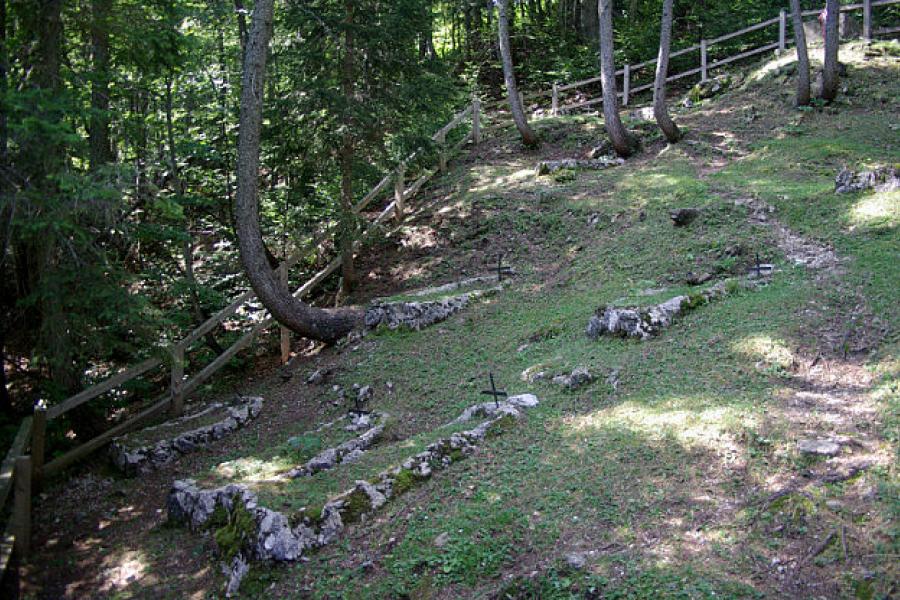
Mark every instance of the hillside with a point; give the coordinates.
(676, 472)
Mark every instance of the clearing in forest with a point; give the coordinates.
(748, 449)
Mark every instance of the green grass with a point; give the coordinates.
(665, 475)
(604, 467)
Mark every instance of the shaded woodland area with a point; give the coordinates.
(570, 298)
(119, 138)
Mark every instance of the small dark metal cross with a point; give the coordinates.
(359, 407)
(501, 269)
(497, 394)
(758, 266)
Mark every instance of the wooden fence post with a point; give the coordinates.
(22, 506)
(38, 443)
(626, 84)
(867, 21)
(703, 70)
(176, 384)
(285, 332)
(554, 107)
(782, 30)
(476, 120)
(400, 192)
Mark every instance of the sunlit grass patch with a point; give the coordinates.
(876, 210)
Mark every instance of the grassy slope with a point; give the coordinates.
(665, 477)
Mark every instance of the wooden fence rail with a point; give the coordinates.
(24, 467)
(705, 65)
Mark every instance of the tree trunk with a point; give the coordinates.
(325, 325)
(830, 70)
(49, 163)
(668, 126)
(589, 24)
(624, 143)
(802, 54)
(242, 25)
(4, 81)
(426, 39)
(347, 229)
(100, 149)
(515, 105)
(6, 407)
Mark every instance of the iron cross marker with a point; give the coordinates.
(497, 394)
(360, 403)
(501, 269)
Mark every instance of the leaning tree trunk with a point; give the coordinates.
(802, 54)
(624, 143)
(668, 126)
(830, 70)
(319, 324)
(515, 104)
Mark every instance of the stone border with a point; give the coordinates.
(270, 535)
(441, 289)
(416, 315)
(345, 452)
(646, 322)
(145, 459)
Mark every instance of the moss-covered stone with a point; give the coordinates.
(218, 519)
(501, 425)
(236, 533)
(309, 515)
(355, 506)
(404, 481)
(695, 300)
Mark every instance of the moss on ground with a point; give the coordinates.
(659, 474)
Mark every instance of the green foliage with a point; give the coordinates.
(304, 447)
(404, 481)
(233, 530)
(355, 506)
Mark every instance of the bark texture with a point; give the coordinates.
(324, 325)
(624, 143)
(830, 79)
(515, 105)
(347, 229)
(668, 126)
(101, 150)
(802, 54)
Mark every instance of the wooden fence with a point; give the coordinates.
(704, 66)
(24, 467)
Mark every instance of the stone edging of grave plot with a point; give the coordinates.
(144, 459)
(646, 322)
(442, 289)
(245, 531)
(348, 451)
(416, 315)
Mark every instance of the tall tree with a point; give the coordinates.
(7, 210)
(802, 54)
(529, 138)
(624, 143)
(830, 79)
(314, 323)
(347, 232)
(101, 150)
(668, 126)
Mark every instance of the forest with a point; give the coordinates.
(159, 159)
(119, 143)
